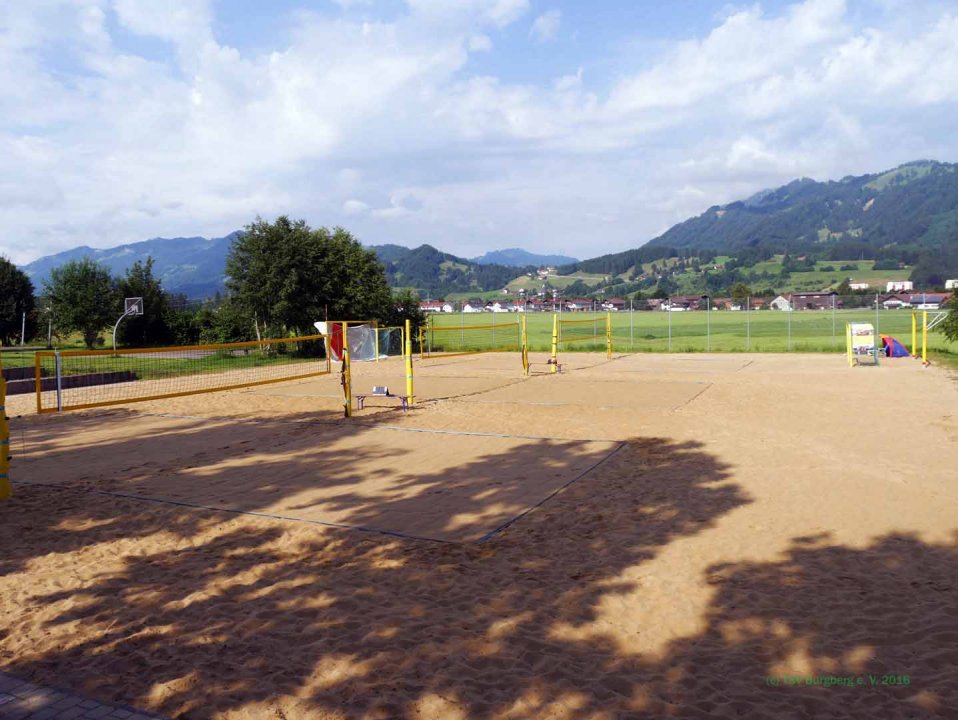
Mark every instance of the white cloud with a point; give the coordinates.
(386, 127)
(480, 43)
(546, 26)
(355, 207)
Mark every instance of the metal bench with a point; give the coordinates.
(383, 391)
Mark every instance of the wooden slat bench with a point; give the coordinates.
(383, 391)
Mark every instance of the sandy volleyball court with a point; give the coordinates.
(693, 536)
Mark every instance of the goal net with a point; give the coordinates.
(367, 342)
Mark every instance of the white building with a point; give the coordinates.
(781, 303)
(900, 286)
(951, 284)
(859, 286)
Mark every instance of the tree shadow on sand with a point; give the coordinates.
(214, 615)
(240, 612)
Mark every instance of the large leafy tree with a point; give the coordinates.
(83, 298)
(405, 306)
(150, 328)
(949, 326)
(287, 276)
(16, 298)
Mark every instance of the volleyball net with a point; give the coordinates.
(80, 379)
(452, 340)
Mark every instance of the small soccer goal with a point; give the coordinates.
(367, 341)
(861, 347)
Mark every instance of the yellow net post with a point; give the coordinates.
(924, 336)
(848, 344)
(407, 354)
(525, 347)
(608, 335)
(345, 378)
(5, 488)
(554, 363)
(914, 334)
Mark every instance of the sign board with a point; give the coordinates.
(133, 306)
(861, 343)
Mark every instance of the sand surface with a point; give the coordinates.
(653, 536)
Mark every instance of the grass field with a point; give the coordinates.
(719, 331)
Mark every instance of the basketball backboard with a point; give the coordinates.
(133, 306)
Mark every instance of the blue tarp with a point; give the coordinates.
(893, 348)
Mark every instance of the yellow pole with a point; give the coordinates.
(554, 367)
(345, 377)
(914, 334)
(408, 353)
(924, 336)
(5, 489)
(608, 335)
(525, 347)
(848, 344)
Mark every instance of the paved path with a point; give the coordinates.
(21, 700)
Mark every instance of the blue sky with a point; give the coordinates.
(571, 127)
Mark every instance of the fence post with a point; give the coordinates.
(494, 328)
(669, 310)
(877, 317)
(791, 309)
(58, 369)
(748, 322)
(833, 321)
(608, 336)
(631, 328)
(708, 324)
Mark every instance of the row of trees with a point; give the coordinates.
(281, 277)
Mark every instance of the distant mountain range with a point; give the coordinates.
(517, 257)
(194, 266)
(907, 215)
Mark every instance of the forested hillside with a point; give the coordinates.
(433, 272)
(906, 216)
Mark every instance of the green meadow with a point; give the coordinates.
(716, 331)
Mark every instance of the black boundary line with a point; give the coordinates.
(491, 534)
(694, 397)
(254, 513)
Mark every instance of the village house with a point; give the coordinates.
(682, 303)
(434, 306)
(614, 304)
(899, 286)
(807, 301)
(578, 305)
(916, 301)
(928, 301)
